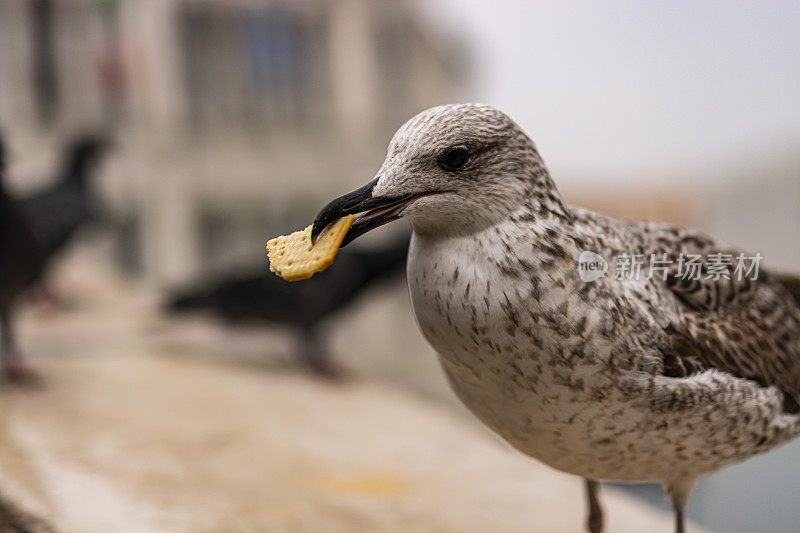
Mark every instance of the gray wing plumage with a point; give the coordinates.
(747, 328)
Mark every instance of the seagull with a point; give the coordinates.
(641, 378)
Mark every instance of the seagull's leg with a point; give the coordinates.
(594, 523)
(315, 354)
(680, 522)
(678, 492)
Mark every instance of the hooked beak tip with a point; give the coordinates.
(314, 235)
(328, 214)
(344, 205)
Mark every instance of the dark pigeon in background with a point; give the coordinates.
(20, 258)
(57, 212)
(263, 297)
(33, 231)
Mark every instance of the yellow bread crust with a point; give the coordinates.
(293, 258)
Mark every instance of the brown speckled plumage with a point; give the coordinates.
(633, 380)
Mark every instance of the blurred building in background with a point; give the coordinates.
(235, 118)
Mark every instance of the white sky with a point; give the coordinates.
(678, 89)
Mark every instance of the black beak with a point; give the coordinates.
(372, 212)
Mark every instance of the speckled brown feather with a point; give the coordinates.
(748, 328)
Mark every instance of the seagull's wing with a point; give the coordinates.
(790, 282)
(749, 328)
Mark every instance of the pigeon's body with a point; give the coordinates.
(20, 260)
(264, 298)
(19, 254)
(57, 212)
(663, 377)
(32, 232)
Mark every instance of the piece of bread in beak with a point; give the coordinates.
(293, 257)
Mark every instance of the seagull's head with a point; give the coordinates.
(453, 169)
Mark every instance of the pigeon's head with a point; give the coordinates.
(453, 169)
(84, 154)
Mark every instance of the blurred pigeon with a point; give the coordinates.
(20, 258)
(32, 231)
(263, 297)
(57, 212)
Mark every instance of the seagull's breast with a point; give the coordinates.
(485, 302)
(456, 295)
(511, 337)
(485, 320)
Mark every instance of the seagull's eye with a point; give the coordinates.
(454, 158)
